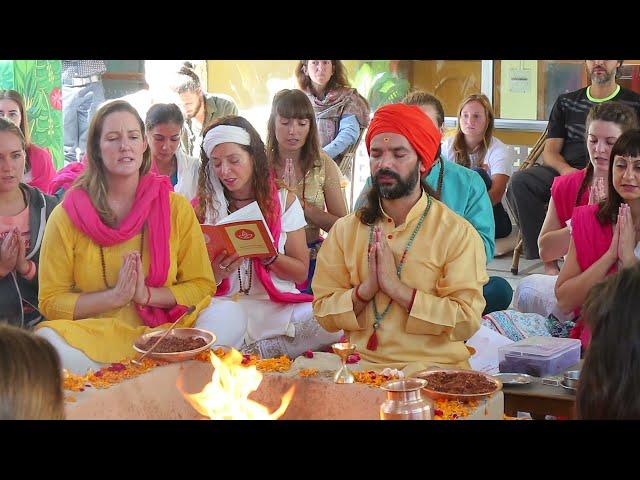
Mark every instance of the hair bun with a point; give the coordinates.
(188, 65)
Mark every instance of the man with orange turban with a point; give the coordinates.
(403, 275)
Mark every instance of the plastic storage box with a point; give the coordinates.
(539, 356)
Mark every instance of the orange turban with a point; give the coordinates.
(410, 122)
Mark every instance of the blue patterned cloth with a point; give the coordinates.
(518, 326)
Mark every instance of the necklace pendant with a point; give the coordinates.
(372, 344)
(235, 297)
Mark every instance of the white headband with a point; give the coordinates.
(224, 134)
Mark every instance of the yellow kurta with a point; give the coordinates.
(70, 265)
(446, 264)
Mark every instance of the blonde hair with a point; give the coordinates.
(461, 155)
(93, 179)
(30, 377)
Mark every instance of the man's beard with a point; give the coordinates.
(402, 187)
(196, 110)
(601, 79)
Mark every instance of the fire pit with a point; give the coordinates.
(154, 395)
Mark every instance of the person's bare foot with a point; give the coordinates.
(551, 268)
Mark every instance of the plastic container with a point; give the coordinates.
(539, 356)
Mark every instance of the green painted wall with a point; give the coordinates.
(40, 83)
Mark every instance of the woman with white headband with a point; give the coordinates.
(257, 307)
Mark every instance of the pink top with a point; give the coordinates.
(564, 192)
(591, 241)
(21, 221)
(42, 171)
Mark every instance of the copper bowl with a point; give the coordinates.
(208, 337)
(463, 397)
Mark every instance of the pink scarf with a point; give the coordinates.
(274, 222)
(564, 192)
(65, 177)
(591, 241)
(151, 206)
(42, 171)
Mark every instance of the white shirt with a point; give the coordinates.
(498, 158)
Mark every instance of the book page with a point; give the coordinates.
(248, 212)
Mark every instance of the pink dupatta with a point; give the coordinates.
(591, 241)
(564, 192)
(151, 206)
(274, 222)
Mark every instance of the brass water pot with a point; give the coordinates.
(404, 400)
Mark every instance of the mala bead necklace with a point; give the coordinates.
(242, 289)
(372, 344)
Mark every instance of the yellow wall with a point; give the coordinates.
(514, 137)
(253, 82)
(449, 80)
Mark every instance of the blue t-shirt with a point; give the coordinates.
(174, 178)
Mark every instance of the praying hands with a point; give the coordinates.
(383, 273)
(626, 237)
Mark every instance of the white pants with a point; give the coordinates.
(74, 360)
(536, 294)
(228, 321)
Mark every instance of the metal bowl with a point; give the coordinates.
(436, 395)
(571, 378)
(208, 337)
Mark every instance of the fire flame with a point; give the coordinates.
(226, 396)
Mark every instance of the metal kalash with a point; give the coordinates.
(405, 401)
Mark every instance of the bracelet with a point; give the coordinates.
(358, 295)
(413, 299)
(269, 261)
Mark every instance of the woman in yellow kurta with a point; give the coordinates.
(122, 254)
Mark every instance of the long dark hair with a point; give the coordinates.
(627, 145)
(615, 112)
(261, 170)
(608, 388)
(294, 104)
(338, 78)
(162, 113)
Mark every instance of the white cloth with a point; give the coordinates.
(498, 158)
(224, 134)
(255, 313)
(71, 358)
(188, 174)
(536, 294)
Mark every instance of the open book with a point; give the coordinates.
(244, 231)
